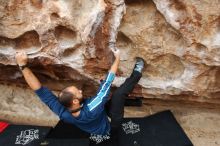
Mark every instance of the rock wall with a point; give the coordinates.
(67, 43)
(180, 42)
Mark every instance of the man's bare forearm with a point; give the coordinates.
(31, 79)
(115, 65)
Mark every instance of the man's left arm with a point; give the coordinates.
(101, 97)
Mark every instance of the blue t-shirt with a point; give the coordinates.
(93, 118)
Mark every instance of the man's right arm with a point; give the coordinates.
(44, 93)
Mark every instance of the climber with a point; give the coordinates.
(91, 115)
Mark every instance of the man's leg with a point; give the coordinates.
(118, 97)
(120, 94)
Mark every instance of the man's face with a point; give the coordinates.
(75, 91)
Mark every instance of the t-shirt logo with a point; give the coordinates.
(27, 136)
(130, 127)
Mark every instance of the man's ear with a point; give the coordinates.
(75, 101)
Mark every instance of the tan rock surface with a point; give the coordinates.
(178, 64)
(178, 39)
(67, 43)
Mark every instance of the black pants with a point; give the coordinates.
(115, 106)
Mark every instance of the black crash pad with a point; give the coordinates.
(65, 142)
(160, 129)
(65, 134)
(26, 135)
(23, 135)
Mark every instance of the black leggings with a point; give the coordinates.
(116, 104)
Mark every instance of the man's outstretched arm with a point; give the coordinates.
(30, 78)
(44, 93)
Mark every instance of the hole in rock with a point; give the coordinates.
(70, 51)
(123, 38)
(165, 67)
(54, 16)
(37, 3)
(6, 45)
(65, 36)
(29, 42)
(178, 5)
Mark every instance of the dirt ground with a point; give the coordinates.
(200, 122)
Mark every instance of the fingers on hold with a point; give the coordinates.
(112, 49)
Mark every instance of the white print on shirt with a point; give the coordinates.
(27, 136)
(98, 138)
(130, 127)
